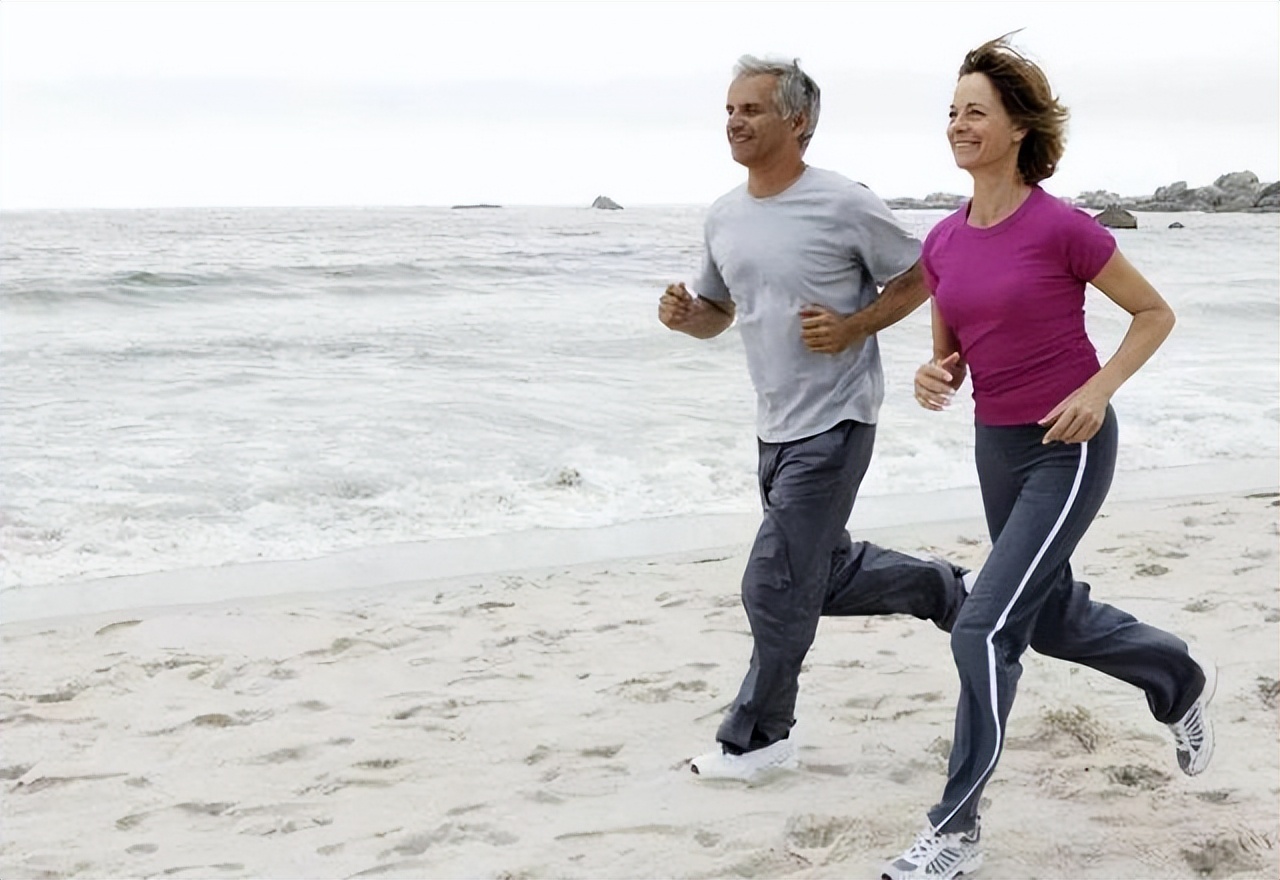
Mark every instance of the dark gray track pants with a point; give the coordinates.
(1039, 502)
(803, 565)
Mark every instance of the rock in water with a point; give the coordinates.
(1116, 217)
(605, 203)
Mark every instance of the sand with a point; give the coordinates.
(539, 723)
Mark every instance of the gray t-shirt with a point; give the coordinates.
(824, 240)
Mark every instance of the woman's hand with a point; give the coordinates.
(1077, 418)
(937, 381)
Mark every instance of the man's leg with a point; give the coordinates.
(808, 487)
(868, 580)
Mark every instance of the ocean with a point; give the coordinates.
(190, 388)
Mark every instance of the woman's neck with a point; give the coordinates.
(995, 198)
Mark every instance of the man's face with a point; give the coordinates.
(757, 132)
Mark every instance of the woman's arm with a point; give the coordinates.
(1079, 417)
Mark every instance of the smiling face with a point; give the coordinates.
(758, 135)
(982, 135)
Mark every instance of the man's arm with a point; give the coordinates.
(699, 317)
(827, 332)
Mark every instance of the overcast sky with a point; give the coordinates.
(114, 104)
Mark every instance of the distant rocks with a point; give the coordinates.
(605, 203)
(469, 207)
(934, 201)
(1097, 199)
(1239, 191)
(1116, 217)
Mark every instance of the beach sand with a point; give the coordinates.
(539, 724)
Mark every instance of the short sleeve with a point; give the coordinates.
(710, 283)
(883, 246)
(1089, 244)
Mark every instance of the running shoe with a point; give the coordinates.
(1193, 734)
(936, 856)
(749, 766)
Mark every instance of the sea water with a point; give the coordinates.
(185, 388)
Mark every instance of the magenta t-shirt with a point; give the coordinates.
(1013, 294)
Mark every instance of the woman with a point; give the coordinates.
(1008, 273)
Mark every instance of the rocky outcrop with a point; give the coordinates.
(1116, 217)
(945, 201)
(1098, 198)
(1237, 191)
(1269, 198)
(606, 204)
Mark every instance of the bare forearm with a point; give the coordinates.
(900, 297)
(706, 319)
(945, 342)
(1147, 332)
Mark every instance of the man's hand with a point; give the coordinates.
(698, 317)
(825, 331)
(675, 308)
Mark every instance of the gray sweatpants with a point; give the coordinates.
(1039, 501)
(803, 565)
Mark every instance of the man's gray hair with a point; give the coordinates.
(796, 92)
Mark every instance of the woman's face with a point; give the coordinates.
(981, 134)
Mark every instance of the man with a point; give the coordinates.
(796, 256)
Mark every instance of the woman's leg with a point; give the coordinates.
(1039, 500)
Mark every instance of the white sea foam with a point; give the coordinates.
(193, 388)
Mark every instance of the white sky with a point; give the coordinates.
(116, 104)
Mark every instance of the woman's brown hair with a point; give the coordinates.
(1027, 98)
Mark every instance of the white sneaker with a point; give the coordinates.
(936, 856)
(1193, 734)
(749, 766)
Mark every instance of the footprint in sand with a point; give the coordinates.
(118, 625)
(810, 831)
(655, 690)
(1268, 691)
(204, 870)
(191, 808)
(1137, 776)
(1240, 852)
(451, 834)
(283, 756)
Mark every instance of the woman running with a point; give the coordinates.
(1008, 273)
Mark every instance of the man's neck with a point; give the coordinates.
(765, 181)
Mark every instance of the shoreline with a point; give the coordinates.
(381, 566)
